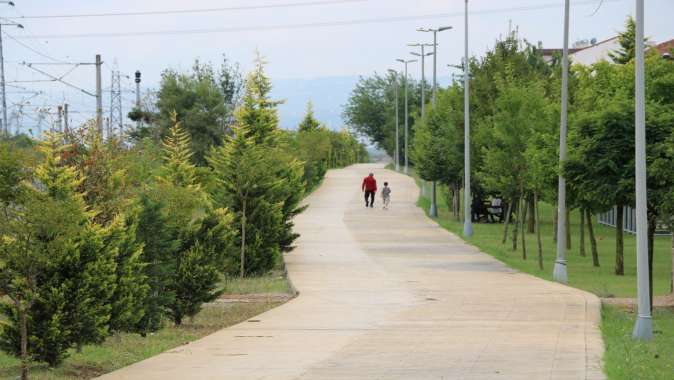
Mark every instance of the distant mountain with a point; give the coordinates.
(328, 95)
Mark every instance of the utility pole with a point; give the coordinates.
(59, 118)
(99, 96)
(396, 155)
(643, 328)
(5, 123)
(137, 80)
(560, 272)
(467, 214)
(65, 118)
(434, 203)
(406, 115)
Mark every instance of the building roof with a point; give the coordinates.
(665, 47)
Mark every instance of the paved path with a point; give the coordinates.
(389, 295)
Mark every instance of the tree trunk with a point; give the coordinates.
(517, 222)
(532, 215)
(555, 218)
(593, 240)
(243, 238)
(568, 228)
(23, 327)
(538, 232)
(582, 231)
(507, 221)
(525, 209)
(652, 225)
(457, 201)
(619, 244)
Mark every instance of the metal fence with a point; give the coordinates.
(629, 221)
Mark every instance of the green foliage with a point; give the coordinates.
(56, 268)
(309, 123)
(370, 110)
(248, 186)
(437, 149)
(258, 114)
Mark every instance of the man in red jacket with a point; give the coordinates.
(370, 188)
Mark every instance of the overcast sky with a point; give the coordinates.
(307, 41)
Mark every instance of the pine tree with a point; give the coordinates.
(195, 271)
(56, 269)
(258, 112)
(248, 181)
(131, 288)
(626, 39)
(160, 246)
(309, 123)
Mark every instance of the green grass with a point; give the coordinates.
(275, 282)
(116, 353)
(627, 359)
(601, 281)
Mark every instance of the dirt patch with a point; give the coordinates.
(253, 298)
(659, 302)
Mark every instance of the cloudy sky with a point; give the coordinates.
(301, 39)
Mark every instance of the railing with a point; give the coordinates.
(629, 221)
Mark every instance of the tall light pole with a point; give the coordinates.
(423, 56)
(406, 114)
(560, 274)
(467, 214)
(5, 124)
(434, 203)
(643, 328)
(396, 155)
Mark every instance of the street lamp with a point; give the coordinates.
(5, 124)
(434, 205)
(467, 214)
(406, 114)
(560, 273)
(396, 155)
(643, 328)
(423, 55)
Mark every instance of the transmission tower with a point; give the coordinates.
(115, 121)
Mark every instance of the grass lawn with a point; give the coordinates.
(113, 354)
(624, 358)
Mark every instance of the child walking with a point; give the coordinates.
(386, 195)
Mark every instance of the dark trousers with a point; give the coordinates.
(369, 194)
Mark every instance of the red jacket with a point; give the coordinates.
(369, 184)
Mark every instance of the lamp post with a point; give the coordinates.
(434, 204)
(560, 273)
(467, 214)
(396, 155)
(423, 56)
(643, 328)
(5, 124)
(406, 62)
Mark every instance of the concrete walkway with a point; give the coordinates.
(389, 295)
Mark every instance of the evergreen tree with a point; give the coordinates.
(195, 272)
(248, 183)
(309, 123)
(258, 112)
(56, 269)
(626, 39)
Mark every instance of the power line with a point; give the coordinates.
(202, 10)
(307, 25)
(43, 55)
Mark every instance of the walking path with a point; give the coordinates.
(390, 295)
